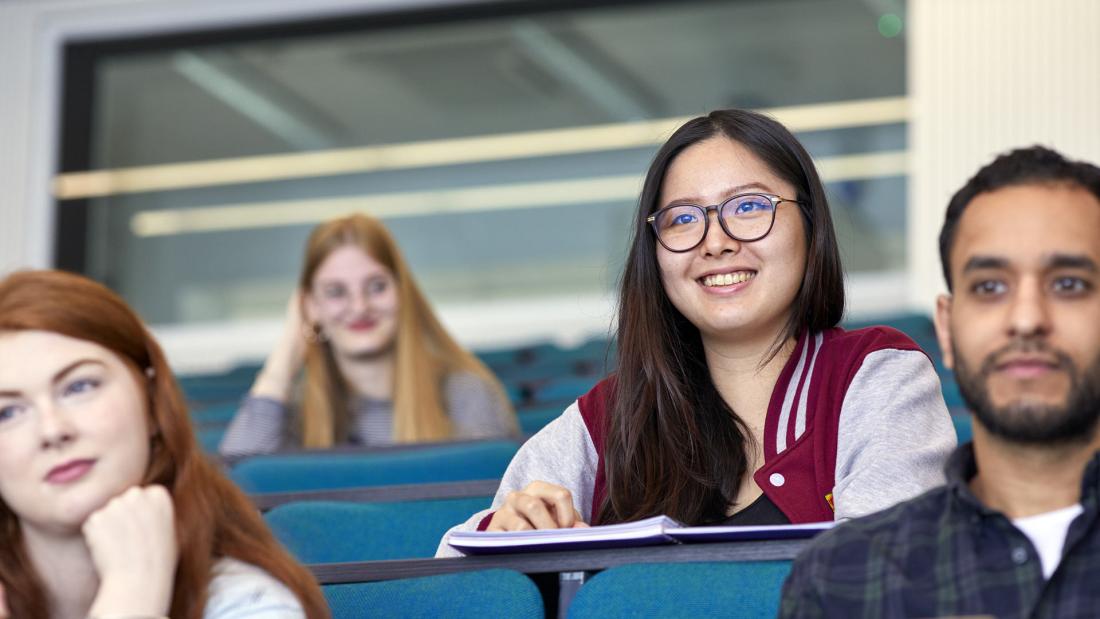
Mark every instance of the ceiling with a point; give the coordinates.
(470, 78)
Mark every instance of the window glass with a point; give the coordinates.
(502, 150)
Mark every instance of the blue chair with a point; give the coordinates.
(488, 593)
(319, 471)
(951, 394)
(564, 388)
(533, 420)
(963, 429)
(919, 327)
(747, 589)
(338, 532)
(220, 387)
(210, 438)
(504, 360)
(216, 414)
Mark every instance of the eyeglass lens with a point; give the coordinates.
(747, 217)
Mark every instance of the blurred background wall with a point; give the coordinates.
(986, 76)
(181, 151)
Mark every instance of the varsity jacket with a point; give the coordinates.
(855, 424)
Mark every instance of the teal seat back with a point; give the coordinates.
(534, 419)
(210, 438)
(919, 327)
(963, 430)
(319, 471)
(476, 595)
(747, 589)
(214, 414)
(337, 532)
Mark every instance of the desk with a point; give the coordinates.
(565, 567)
(402, 492)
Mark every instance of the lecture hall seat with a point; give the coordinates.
(734, 590)
(472, 595)
(340, 532)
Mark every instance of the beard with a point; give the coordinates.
(1029, 423)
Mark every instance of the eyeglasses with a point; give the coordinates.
(745, 217)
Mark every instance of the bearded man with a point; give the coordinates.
(1016, 530)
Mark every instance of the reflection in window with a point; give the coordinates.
(504, 152)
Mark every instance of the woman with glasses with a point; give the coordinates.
(737, 400)
(379, 367)
(108, 508)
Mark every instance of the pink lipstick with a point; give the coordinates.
(69, 472)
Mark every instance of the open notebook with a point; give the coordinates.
(648, 532)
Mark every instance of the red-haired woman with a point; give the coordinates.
(107, 506)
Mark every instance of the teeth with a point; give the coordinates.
(728, 279)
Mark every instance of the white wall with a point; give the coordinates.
(986, 76)
(24, 131)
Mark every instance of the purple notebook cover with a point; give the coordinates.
(742, 534)
(588, 544)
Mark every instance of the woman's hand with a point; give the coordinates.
(538, 506)
(132, 540)
(275, 379)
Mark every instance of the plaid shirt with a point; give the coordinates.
(944, 553)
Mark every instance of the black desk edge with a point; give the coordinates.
(570, 561)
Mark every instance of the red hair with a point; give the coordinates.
(214, 518)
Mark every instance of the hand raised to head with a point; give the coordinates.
(132, 540)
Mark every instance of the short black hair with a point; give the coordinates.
(1036, 165)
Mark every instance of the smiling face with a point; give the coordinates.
(1022, 330)
(74, 431)
(726, 288)
(354, 300)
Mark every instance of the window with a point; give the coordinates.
(503, 145)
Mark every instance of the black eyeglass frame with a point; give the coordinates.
(776, 200)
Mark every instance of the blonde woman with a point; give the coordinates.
(379, 366)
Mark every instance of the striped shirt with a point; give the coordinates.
(945, 554)
(263, 425)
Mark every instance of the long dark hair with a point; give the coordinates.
(673, 445)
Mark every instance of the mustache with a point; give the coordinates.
(1027, 346)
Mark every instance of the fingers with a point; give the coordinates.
(140, 519)
(533, 509)
(561, 500)
(132, 541)
(540, 505)
(579, 523)
(4, 612)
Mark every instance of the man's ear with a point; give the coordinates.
(942, 320)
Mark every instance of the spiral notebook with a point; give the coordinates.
(649, 532)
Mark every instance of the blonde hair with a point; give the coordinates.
(425, 352)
